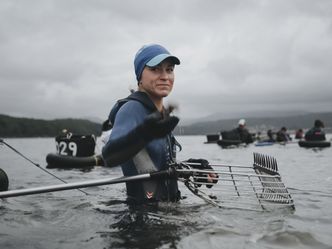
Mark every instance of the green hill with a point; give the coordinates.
(262, 124)
(27, 127)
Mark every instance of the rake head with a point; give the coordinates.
(257, 187)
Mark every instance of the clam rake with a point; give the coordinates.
(257, 187)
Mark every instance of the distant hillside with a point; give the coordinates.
(255, 124)
(27, 127)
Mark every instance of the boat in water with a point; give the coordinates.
(73, 151)
(69, 144)
(264, 143)
(212, 138)
(314, 144)
(228, 143)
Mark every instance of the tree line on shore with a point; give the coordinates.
(28, 127)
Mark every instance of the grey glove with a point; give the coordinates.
(203, 164)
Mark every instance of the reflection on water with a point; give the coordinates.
(102, 219)
(146, 226)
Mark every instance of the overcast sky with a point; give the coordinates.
(67, 58)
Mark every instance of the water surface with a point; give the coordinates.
(70, 219)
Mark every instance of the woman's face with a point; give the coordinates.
(158, 81)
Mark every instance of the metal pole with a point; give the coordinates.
(36, 164)
(68, 186)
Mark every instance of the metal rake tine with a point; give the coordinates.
(273, 166)
(268, 162)
(265, 162)
(271, 162)
(258, 159)
(276, 165)
(261, 160)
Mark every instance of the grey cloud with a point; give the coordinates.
(75, 58)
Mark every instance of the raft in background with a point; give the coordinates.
(227, 143)
(212, 138)
(314, 144)
(4, 182)
(68, 144)
(74, 151)
(264, 143)
(229, 139)
(68, 162)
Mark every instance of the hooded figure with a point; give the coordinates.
(316, 133)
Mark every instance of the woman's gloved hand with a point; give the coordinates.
(203, 164)
(156, 125)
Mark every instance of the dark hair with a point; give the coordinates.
(319, 123)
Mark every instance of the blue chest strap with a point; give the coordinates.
(141, 97)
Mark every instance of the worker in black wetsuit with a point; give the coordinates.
(242, 132)
(282, 135)
(316, 133)
(141, 139)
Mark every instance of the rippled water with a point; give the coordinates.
(70, 219)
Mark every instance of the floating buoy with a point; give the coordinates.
(69, 162)
(212, 138)
(315, 144)
(4, 182)
(226, 143)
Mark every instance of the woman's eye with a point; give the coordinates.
(170, 69)
(154, 69)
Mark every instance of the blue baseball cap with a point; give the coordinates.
(151, 55)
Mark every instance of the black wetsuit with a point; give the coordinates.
(243, 135)
(315, 134)
(156, 155)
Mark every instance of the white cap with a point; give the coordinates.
(242, 121)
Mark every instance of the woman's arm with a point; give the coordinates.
(129, 136)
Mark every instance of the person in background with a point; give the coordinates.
(141, 139)
(316, 133)
(258, 136)
(299, 134)
(282, 135)
(270, 135)
(243, 132)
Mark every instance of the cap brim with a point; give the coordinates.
(161, 57)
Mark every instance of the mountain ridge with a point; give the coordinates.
(257, 124)
(30, 127)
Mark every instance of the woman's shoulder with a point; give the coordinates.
(133, 106)
(130, 114)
